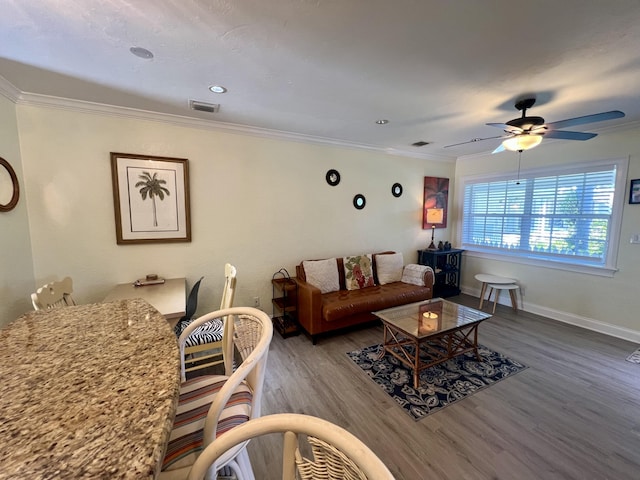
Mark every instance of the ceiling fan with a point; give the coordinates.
(525, 132)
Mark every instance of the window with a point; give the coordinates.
(565, 215)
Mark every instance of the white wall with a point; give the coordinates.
(605, 304)
(260, 204)
(16, 267)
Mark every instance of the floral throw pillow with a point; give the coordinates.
(358, 272)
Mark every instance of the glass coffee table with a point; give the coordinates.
(427, 333)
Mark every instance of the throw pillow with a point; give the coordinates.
(322, 274)
(389, 268)
(414, 274)
(358, 272)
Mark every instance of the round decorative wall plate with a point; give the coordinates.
(359, 201)
(15, 188)
(396, 190)
(333, 177)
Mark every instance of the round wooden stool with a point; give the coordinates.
(512, 287)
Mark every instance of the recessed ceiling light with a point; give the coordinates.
(217, 89)
(382, 122)
(141, 52)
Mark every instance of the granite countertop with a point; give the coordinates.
(87, 392)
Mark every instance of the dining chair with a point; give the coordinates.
(336, 453)
(54, 294)
(203, 348)
(190, 309)
(209, 406)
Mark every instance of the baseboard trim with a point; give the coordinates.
(566, 317)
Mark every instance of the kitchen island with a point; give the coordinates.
(88, 391)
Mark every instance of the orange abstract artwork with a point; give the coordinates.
(436, 199)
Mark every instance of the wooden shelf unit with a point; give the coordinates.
(285, 305)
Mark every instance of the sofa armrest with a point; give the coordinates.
(309, 307)
(429, 278)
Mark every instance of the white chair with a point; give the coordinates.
(212, 405)
(54, 294)
(337, 454)
(203, 348)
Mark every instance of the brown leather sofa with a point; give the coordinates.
(320, 313)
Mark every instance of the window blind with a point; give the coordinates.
(565, 216)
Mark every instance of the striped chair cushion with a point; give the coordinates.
(196, 396)
(210, 332)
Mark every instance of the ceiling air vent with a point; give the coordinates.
(204, 107)
(419, 144)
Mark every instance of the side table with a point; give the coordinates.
(447, 267)
(486, 279)
(285, 303)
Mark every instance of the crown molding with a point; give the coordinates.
(32, 99)
(8, 90)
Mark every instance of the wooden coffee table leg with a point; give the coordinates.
(416, 366)
(475, 342)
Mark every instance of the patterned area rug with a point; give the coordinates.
(441, 385)
(634, 357)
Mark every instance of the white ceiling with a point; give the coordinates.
(438, 70)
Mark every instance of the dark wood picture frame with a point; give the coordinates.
(150, 198)
(634, 191)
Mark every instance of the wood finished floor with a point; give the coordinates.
(573, 414)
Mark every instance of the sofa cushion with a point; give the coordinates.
(414, 274)
(389, 268)
(358, 272)
(344, 303)
(322, 274)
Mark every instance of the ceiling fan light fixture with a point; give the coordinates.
(522, 142)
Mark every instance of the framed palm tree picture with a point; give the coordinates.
(151, 198)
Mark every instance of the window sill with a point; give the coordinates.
(602, 271)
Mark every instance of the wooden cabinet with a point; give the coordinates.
(446, 265)
(285, 304)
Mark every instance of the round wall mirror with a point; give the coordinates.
(9, 188)
(359, 201)
(396, 190)
(333, 177)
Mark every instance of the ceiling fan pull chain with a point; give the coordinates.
(519, 158)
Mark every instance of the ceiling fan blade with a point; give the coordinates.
(473, 140)
(566, 135)
(596, 117)
(499, 149)
(539, 130)
(506, 127)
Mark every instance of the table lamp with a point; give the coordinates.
(434, 216)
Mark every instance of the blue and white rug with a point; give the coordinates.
(441, 385)
(634, 357)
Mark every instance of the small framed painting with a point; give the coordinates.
(634, 191)
(151, 199)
